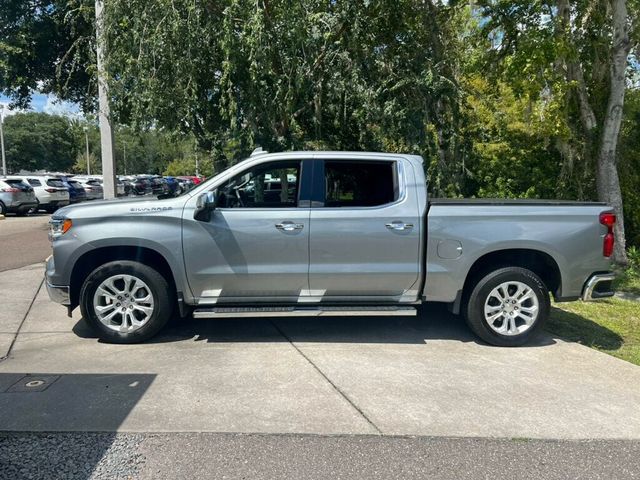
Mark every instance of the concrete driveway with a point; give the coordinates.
(390, 376)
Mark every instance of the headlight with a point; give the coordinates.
(58, 227)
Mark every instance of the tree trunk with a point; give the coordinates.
(607, 173)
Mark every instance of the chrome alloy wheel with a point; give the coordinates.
(123, 303)
(511, 308)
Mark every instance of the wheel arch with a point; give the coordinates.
(539, 262)
(94, 258)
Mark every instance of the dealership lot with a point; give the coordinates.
(423, 376)
(23, 240)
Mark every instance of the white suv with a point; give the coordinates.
(91, 185)
(50, 191)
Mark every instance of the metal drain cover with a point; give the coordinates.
(32, 383)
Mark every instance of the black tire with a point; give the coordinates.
(475, 304)
(35, 209)
(3, 209)
(162, 297)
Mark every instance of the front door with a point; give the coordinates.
(365, 232)
(255, 246)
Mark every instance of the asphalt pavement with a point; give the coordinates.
(111, 456)
(23, 240)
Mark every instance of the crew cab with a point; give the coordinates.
(326, 233)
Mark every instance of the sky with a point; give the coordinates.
(44, 103)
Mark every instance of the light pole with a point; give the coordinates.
(4, 160)
(196, 151)
(104, 113)
(86, 140)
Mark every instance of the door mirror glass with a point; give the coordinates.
(206, 201)
(205, 204)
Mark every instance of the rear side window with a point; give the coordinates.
(55, 182)
(359, 184)
(34, 182)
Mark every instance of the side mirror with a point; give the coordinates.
(205, 204)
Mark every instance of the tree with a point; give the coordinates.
(235, 74)
(80, 165)
(575, 53)
(48, 46)
(629, 154)
(37, 141)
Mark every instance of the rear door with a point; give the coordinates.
(365, 231)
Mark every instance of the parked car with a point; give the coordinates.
(196, 180)
(127, 183)
(76, 191)
(92, 187)
(174, 186)
(159, 186)
(185, 184)
(120, 188)
(349, 234)
(49, 189)
(141, 186)
(16, 197)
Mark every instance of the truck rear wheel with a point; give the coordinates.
(508, 307)
(125, 302)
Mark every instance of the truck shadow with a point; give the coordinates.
(575, 328)
(433, 322)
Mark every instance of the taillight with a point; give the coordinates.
(10, 190)
(608, 219)
(51, 190)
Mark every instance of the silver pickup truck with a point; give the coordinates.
(326, 233)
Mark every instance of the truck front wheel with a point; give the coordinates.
(125, 301)
(507, 307)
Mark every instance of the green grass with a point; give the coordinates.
(610, 325)
(627, 281)
(628, 278)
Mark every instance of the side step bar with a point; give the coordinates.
(238, 312)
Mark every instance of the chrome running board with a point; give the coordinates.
(318, 311)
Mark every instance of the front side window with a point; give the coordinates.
(270, 185)
(359, 183)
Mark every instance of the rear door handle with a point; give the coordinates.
(399, 226)
(289, 226)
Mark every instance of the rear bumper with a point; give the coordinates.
(21, 206)
(598, 286)
(55, 203)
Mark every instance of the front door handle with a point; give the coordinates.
(399, 226)
(289, 226)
